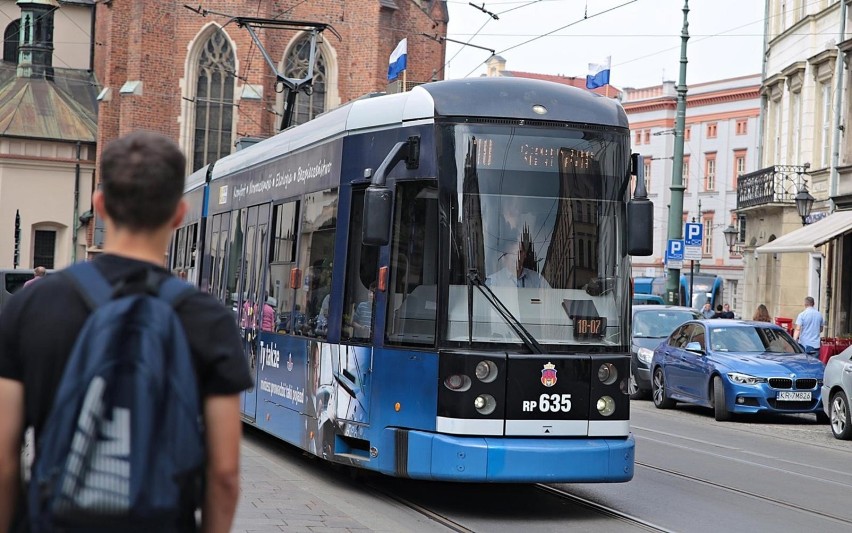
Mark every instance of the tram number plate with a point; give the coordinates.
(586, 327)
(785, 396)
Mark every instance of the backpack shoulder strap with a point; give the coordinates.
(90, 283)
(175, 291)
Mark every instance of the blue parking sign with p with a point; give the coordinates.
(674, 250)
(693, 234)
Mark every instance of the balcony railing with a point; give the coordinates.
(771, 185)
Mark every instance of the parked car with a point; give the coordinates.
(838, 389)
(736, 366)
(651, 325)
(11, 281)
(647, 299)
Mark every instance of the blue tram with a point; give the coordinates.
(434, 284)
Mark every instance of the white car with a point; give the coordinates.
(836, 391)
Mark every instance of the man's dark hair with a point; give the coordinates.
(142, 179)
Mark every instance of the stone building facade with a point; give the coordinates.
(720, 144)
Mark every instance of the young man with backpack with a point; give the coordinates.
(144, 428)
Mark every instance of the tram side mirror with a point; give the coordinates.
(378, 205)
(640, 214)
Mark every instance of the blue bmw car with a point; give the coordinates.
(736, 366)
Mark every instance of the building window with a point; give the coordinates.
(710, 171)
(638, 137)
(648, 174)
(795, 123)
(686, 172)
(687, 133)
(296, 63)
(711, 130)
(742, 126)
(10, 42)
(739, 166)
(708, 235)
(647, 136)
(44, 248)
(214, 101)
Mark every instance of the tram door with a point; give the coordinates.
(254, 293)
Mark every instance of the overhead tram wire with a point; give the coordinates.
(587, 17)
(492, 16)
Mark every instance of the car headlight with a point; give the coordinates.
(645, 355)
(745, 379)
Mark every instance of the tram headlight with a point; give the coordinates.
(485, 404)
(457, 383)
(606, 405)
(486, 371)
(607, 373)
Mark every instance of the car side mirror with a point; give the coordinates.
(694, 347)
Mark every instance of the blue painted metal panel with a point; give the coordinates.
(516, 460)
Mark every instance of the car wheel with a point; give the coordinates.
(658, 389)
(633, 388)
(840, 423)
(720, 407)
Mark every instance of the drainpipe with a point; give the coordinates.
(92, 38)
(838, 110)
(75, 222)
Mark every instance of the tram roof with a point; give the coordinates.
(493, 98)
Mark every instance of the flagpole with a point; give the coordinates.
(404, 78)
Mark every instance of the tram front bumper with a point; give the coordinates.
(436, 456)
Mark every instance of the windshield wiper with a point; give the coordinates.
(497, 304)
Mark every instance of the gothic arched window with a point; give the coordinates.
(11, 38)
(308, 106)
(214, 101)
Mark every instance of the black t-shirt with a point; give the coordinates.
(39, 325)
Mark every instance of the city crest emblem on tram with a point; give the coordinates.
(548, 375)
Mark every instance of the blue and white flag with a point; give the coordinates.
(398, 59)
(598, 74)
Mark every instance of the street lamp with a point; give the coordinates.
(804, 202)
(730, 234)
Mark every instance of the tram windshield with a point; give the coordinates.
(539, 220)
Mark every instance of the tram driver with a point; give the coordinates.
(515, 272)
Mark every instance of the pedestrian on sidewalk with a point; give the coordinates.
(809, 326)
(142, 180)
(761, 314)
(39, 273)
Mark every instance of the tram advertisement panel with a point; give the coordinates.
(282, 371)
(314, 169)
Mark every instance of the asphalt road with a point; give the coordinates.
(693, 474)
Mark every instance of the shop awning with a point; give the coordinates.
(807, 238)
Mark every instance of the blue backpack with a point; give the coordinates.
(123, 444)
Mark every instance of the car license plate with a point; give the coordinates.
(794, 396)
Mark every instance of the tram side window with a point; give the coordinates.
(316, 259)
(412, 298)
(282, 259)
(215, 277)
(234, 264)
(361, 267)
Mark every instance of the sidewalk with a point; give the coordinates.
(283, 491)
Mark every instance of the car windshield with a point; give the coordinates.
(659, 323)
(752, 339)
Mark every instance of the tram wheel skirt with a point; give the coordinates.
(424, 455)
